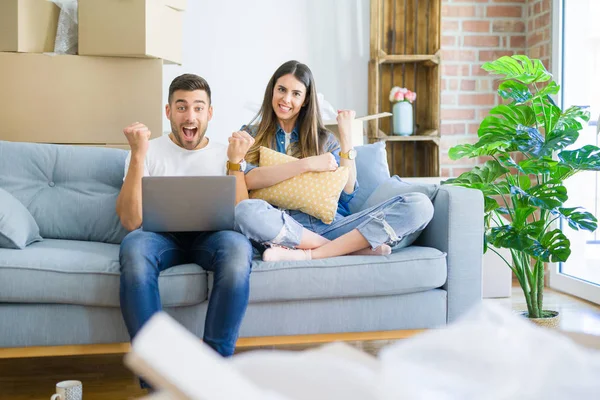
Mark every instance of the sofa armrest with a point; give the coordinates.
(457, 229)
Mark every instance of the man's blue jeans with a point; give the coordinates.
(227, 254)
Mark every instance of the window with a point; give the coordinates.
(576, 63)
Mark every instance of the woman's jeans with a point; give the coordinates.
(227, 254)
(396, 222)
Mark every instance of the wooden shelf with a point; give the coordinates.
(428, 135)
(428, 60)
(405, 43)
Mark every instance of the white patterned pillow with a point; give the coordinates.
(313, 193)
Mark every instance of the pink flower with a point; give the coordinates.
(398, 94)
(393, 92)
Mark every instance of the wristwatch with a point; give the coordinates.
(241, 166)
(350, 155)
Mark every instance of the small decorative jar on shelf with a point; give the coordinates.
(402, 110)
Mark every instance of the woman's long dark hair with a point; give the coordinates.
(312, 134)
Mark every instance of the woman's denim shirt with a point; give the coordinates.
(332, 145)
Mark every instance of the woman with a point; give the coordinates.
(289, 122)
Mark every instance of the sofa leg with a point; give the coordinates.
(242, 343)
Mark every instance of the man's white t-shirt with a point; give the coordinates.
(165, 158)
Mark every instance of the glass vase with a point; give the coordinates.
(403, 118)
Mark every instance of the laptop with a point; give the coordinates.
(188, 203)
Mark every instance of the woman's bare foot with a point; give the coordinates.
(285, 254)
(382, 250)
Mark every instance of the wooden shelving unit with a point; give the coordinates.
(405, 52)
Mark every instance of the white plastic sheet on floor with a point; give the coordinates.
(489, 354)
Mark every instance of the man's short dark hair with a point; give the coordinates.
(189, 82)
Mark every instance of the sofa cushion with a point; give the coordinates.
(395, 186)
(371, 170)
(18, 229)
(409, 270)
(71, 191)
(85, 273)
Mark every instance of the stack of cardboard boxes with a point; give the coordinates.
(88, 98)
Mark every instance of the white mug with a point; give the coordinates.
(68, 390)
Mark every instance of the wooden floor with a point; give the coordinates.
(105, 377)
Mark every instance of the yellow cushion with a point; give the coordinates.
(313, 193)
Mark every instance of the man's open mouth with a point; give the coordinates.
(189, 132)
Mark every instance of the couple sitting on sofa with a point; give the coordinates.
(288, 123)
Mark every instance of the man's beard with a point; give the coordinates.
(179, 136)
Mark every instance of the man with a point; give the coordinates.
(228, 254)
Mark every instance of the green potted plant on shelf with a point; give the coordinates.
(526, 140)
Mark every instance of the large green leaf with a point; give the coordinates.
(507, 161)
(517, 91)
(586, 158)
(514, 114)
(493, 129)
(494, 142)
(509, 237)
(565, 130)
(460, 151)
(501, 123)
(546, 112)
(524, 182)
(503, 210)
(538, 166)
(577, 218)
(529, 140)
(479, 177)
(509, 128)
(519, 68)
(561, 172)
(490, 204)
(534, 229)
(548, 196)
(503, 130)
(551, 88)
(521, 214)
(534, 68)
(554, 246)
(497, 188)
(572, 119)
(480, 149)
(558, 140)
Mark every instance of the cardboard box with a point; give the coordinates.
(75, 99)
(358, 132)
(132, 28)
(28, 26)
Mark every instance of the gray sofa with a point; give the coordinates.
(63, 290)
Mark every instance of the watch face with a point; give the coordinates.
(352, 154)
(243, 165)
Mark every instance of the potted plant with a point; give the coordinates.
(402, 110)
(527, 141)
